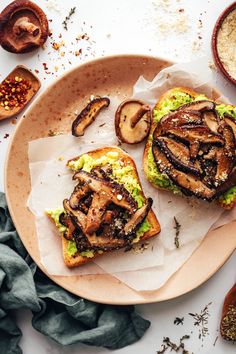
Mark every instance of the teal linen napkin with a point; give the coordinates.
(58, 314)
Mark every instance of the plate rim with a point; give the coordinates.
(57, 279)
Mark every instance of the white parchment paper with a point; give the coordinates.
(51, 183)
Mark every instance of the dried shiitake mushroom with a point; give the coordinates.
(132, 121)
(23, 27)
(88, 115)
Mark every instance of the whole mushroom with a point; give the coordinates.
(132, 121)
(23, 27)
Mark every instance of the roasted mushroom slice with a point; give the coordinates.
(231, 122)
(82, 243)
(95, 241)
(88, 115)
(212, 120)
(187, 182)
(225, 156)
(116, 193)
(200, 106)
(65, 220)
(23, 27)
(136, 220)
(229, 183)
(80, 191)
(177, 119)
(194, 135)
(178, 154)
(132, 121)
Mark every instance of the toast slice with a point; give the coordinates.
(169, 102)
(120, 172)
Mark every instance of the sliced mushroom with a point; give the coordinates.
(229, 183)
(177, 119)
(225, 156)
(102, 172)
(201, 134)
(178, 154)
(132, 121)
(88, 115)
(96, 211)
(199, 106)
(79, 192)
(109, 189)
(99, 242)
(188, 183)
(65, 220)
(78, 217)
(82, 243)
(136, 220)
(231, 122)
(23, 27)
(211, 120)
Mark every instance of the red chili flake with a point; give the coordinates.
(13, 92)
(45, 66)
(37, 71)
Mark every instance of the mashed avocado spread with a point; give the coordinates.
(171, 103)
(122, 174)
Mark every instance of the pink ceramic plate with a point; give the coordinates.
(108, 76)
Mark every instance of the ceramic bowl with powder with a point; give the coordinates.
(224, 43)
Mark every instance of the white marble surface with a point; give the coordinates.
(141, 27)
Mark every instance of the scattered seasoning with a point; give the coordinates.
(201, 321)
(139, 248)
(45, 66)
(228, 324)
(177, 348)
(65, 22)
(179, 320)
(177, 228)
(54, 133)
(6, 136)
(13, 92)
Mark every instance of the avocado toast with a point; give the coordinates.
(191, 147)
(107, 209)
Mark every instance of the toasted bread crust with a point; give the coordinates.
(155, 226)
(162, 98)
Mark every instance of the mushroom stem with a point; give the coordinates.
(23, 25)
(139, 114)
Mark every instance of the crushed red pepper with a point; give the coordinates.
(13, 92)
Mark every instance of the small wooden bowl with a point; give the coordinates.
(24, 73)
(217, 27)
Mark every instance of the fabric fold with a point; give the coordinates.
(58, 314)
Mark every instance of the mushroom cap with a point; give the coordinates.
(23, 27)
(132, 121)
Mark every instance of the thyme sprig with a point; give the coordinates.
(177, 228)
(177, 348)
(201, 321)
(65, 22)
(179, 320)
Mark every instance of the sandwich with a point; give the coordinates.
(107, 209)
(191, 147)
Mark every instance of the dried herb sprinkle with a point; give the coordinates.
(177, 348)
(228, 324)
(177, 228)
(201, 321)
